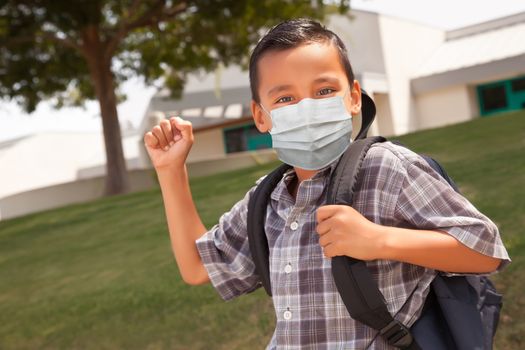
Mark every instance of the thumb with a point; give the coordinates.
(326, 211)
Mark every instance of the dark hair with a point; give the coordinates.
(290, 34)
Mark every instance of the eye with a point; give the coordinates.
(284, 99)
(325, 91)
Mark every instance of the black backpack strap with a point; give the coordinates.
(355, 284)
(255, 224)
(344, 177)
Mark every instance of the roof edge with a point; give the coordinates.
(486, 26)
(472, 75)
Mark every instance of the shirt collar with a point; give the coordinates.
(289, 175)
(324, 171)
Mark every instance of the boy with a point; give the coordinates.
(406, 223)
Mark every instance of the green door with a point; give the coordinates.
(501, 96)
(517, 93)
(245, 138)
(257, 140)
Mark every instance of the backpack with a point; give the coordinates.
(460, 312)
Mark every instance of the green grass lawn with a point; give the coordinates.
(101, 275)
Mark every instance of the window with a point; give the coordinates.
(245, 138)
(235, 140)
(494, 97)
(502, 96)
(518, 85)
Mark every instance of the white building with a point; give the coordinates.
(51, 158)
(50, 169)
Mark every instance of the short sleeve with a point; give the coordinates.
(427, 201)
(225, 253)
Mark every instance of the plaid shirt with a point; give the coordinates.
(396, 188)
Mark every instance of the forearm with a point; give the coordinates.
(433, 249)
(184, 224)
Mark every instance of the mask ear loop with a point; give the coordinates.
(351, 117)
(267, 113)
(264, 109)
(346, 92)
(344, 96)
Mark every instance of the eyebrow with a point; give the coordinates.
(280, 88)
(326, 80)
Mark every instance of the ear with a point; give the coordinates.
(263, 122)
(355, 96)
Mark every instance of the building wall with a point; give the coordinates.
(385, 124)
(84, 190)
(49, 158)
(406, 45)
(362, 39)
(207, 144)
(445, 106)
(67, 193)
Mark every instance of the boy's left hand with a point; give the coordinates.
(344, 231)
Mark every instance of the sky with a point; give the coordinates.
(446, 14)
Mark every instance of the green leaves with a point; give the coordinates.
(45, 45)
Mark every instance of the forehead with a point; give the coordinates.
(299, 65)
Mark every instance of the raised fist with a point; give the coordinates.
(169, 143)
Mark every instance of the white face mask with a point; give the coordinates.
(311, 133)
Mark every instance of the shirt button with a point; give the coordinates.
(287, 315)
(294, 225)
(288, 268)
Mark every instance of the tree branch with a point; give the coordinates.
(153, 16)
(68, 42)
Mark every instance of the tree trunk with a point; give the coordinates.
(117, 178)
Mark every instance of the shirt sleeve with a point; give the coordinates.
(427, 201)
(225, 253)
